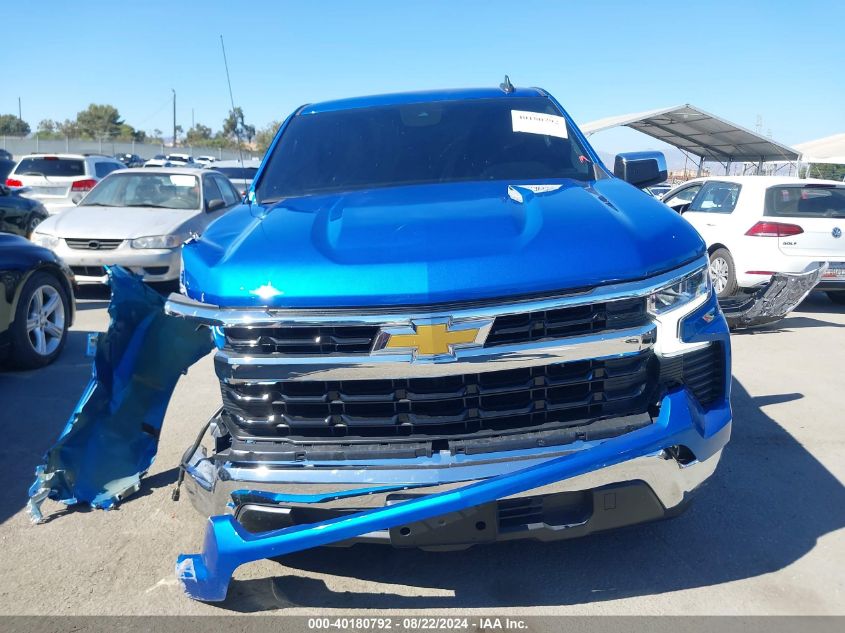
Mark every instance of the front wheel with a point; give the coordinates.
(837, 296)
(723, 273)
(39, 330)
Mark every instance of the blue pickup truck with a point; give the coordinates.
(439, 321)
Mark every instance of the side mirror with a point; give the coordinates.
(641, 169)
(214, 204)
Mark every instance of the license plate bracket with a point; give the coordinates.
(472, 525)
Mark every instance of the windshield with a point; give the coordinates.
(179, 157)
(51, 166)
(238, 173)
(165, 191)
(438, 142)
(809, 201)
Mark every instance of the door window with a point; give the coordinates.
(681, 200)
(716, 197)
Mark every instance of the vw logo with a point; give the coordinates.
(94, 245)
(836, 232)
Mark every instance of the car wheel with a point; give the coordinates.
(39, 330)
(723, 273)
(837, 296)
(30, 226)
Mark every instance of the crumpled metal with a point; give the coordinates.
(111, 438)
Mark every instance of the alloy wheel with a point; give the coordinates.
(45, 320)
(719, 271)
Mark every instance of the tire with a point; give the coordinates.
(723, 273)
(39, 331)
(30, 226)
(837, 296)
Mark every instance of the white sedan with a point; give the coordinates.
(137, 219)
(755, 226)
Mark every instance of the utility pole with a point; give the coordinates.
(174, 116)
(19, 109)
(192, 118)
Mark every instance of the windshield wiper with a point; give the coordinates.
(151, 206)
(97, 204)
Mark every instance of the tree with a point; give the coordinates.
(11, 125)
(99, 122)
(234, 126)
(265, 136)
(198, 135)
(825, 171)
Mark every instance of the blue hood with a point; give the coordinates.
(435, 243)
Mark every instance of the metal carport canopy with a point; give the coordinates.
(700, 133)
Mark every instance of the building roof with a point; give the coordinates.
(697, 132)
(830, 149)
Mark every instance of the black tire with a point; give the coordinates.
(25, 352)
(724, 275)
(837, 296)
(33, 222)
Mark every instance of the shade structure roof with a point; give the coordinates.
(830, 149)
(700, 133)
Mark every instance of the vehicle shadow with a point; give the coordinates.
(766, 507)
(34, 407)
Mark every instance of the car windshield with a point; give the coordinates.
(164, 191)
(812, 201)
(513, 139)
(238, 173)
(51, 166)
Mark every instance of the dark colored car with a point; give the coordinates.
(130, 160)
(6, 167)
(5, 155)
(19, 215)
(36, 303)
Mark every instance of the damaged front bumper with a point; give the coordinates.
(643, 455)
(773, 301)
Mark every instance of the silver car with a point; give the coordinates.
(240, 173)
(137, 219)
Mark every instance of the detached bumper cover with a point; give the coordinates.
(772, 302)
(112, 435)
(228, 545)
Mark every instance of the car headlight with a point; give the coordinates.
(158, 241)
(45, 240)
(680, 292)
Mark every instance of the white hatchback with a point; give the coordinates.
(755, 226)
(60, 181)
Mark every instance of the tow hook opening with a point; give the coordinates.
(681, 454)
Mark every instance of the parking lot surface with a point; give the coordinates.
(765, 535)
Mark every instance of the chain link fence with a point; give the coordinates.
(31, 145)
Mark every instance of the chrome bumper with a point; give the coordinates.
(216, 487)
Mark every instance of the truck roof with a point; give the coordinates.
(424, 96)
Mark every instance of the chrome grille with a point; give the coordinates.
(93, 244)
(508, 329)
(533, 397)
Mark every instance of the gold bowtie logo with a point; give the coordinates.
(433, 339)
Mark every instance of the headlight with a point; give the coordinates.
(47, 241)
(157, 241)
(680, 292)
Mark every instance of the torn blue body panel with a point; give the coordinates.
(111, 438)
(228, 545)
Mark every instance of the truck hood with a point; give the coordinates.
(115, 222)
(436, 243)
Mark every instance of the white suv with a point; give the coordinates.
(755, 226)
(60, 181)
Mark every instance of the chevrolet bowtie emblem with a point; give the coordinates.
(432, 339)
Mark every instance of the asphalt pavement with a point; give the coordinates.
(764, 536)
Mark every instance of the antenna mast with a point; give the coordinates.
(232, 100)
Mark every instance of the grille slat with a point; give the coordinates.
(88, 271)
(522, 398)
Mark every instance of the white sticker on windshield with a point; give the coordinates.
(181, 180)
(539, 123)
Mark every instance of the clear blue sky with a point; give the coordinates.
(782, 60)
